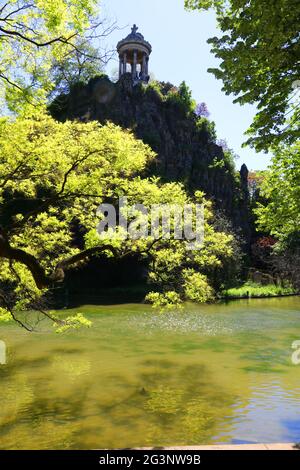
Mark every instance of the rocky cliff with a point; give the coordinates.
(185, 144)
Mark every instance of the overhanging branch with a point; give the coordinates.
(41, 278)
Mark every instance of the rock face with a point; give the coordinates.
(186, 149)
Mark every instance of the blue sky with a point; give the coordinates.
(180, 52)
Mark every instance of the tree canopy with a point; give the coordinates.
(281, 188)
(259, 52)
(53, 176)
(38, 35)
(78, 66)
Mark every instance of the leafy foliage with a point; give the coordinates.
(76, 67)
(74, 323)
(182, 97)
(50, 176)
(42, 43)
(251, 289)
(259, 52)
(53, 176)
(156, 87)
(207, 127)
(278, 213)
(196, 287)
(280, 187)
(166, 301)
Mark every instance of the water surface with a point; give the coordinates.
(205, 375)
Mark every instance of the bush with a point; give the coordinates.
(251, 289)
(155, 87)
(166, 301)
(197, 288)
(206, 129)
(182, 98)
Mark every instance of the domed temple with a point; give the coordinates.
(134, 54)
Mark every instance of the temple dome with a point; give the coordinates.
(134, 38)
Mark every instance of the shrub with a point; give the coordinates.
(166, 301)
(206, 129)
(197, 288)
(182, 98)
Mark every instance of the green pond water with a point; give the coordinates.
(205, 375)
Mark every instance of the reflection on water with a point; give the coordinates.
(219, 373)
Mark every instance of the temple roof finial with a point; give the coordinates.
(134, 29)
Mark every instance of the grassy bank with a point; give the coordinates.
(251, 289)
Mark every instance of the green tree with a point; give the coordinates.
(278, 213)
(78, 66)
(53, 176)
(85, 59)
(280, 186)
(33, 35)
(182, 97)
(259, 52)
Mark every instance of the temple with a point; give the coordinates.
(134, 54)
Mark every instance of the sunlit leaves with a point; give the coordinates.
(259, 63)
(54, 176)
(281, 188)
(32, 35)
(73, 323)
(169, 300)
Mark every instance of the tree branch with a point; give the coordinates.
(21, 256)
(7, 306)
(36, 43)
(15, 85)
(42, 280)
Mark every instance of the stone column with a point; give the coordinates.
(147, 66)
(124, 62)
(144, 65)
(134, 64)
(120, 66)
